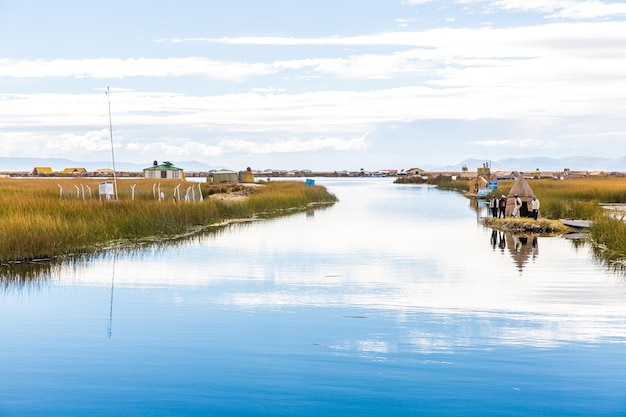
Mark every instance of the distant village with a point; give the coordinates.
(167, 170)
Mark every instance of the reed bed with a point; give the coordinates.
(581, 198)
(574, 198)
(608, 235)
(45, 218)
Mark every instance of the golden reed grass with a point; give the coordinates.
(42, 218)
(579, 198)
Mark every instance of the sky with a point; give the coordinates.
(323, 85)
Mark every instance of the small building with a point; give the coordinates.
(225, 176)
(467, 175)
(415, 171)
(165, 170)
(42, 171)
(505, 175)
(73, 171)
(246, 176)
(105, 172)
(478, 183)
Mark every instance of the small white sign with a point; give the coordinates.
(106, 188)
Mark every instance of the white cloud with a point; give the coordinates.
(185, 148)
(403, 23)
(294, 145)
(48, 142)
(544, 72)
(568, 9)
(175, 147)
(530, 143)
(138, 67)
(565, 52)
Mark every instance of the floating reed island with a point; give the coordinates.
(522, 225)
(579, 198)
(52, 217)
(601, 200)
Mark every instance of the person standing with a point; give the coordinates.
(502, 206)
(534, 206)
(517, 207)
(493, 204)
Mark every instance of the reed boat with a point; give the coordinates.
(577, 223)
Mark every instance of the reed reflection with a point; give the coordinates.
(27, 275)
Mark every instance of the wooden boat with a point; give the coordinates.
(579, 224)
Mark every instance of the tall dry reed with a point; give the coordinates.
(42, 218)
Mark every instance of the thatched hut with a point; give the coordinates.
(477, 183)
(525, 193)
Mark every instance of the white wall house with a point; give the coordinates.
(164, 170)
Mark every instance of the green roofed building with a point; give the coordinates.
(164, 170)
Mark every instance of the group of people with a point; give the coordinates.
(498, 207)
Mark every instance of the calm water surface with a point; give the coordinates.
(394, 302)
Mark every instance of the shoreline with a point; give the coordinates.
(541, 226)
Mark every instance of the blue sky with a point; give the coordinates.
(323, 85)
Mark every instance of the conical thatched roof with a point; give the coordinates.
(521, 187)
(523, 190)
(478, 183)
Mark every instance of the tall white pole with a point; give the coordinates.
(112, 152)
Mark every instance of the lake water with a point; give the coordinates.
(395, 301)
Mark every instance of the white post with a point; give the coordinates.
(200, 191)
(82, 187)
(154, 190)
(77, 191)
(89, 189)
(112, 153)
(60, 191)
(132, 193)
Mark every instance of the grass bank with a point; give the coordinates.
(542, 226)
(45, 218)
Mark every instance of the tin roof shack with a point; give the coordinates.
(525, 193)
(166, 170)
(42, 171)
(74, 171)
(224, 176)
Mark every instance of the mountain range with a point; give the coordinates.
(577, 163)
(59, 164)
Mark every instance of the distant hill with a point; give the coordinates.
(576, 163)
(58, 164)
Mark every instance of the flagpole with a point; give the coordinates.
(112, 152)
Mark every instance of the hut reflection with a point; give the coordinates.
(521, 248)
(478, 206)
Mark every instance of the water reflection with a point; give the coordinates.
(384, 297)
(521, 248)
(34, 274)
